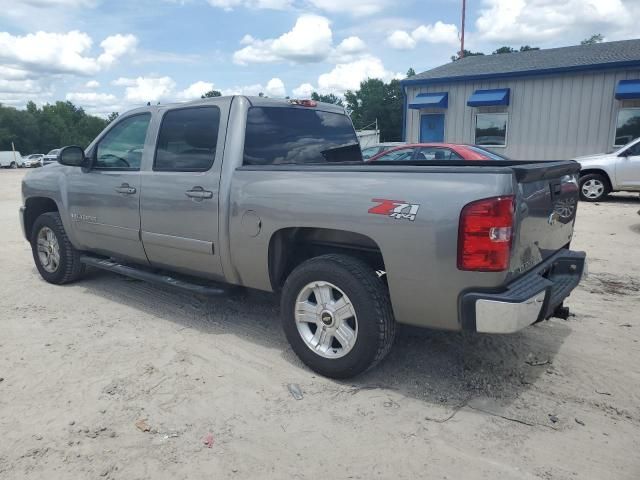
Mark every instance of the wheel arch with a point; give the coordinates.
(34, 207)
(289, 247)
(598, 171)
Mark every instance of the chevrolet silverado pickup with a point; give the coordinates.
(274, 195)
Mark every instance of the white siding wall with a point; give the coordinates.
(550, 117)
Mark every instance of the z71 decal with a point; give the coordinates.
(398, 209)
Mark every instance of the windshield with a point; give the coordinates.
(487, 153)
(371, 151)
(277, 136)
(54, 151)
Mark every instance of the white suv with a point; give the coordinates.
(616, 171)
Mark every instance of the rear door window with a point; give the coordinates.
(187, 140)
(281, 135)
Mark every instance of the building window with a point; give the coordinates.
(628, 126)
(491, 129)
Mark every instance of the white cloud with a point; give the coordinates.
(303, 91)
(353, 7)
(60, 52)
(92, 84)
(19, 86)
(275, 88)
(115, 47)
(195, 90)
(522, 21)
(265, 4)
(310, 40)
(91, 98)
(401, 40)
(146, 89)
(347, 76)
(439, 32)
(352, 45)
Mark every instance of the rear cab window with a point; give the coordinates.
(299, 135)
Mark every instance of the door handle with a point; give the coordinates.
(126, 189)
(198, 193)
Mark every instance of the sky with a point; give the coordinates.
(113, 55)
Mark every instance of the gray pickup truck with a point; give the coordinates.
(274, 195)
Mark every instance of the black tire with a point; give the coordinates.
(595, 179)
(69, 268)
(370, 299)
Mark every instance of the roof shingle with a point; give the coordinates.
(579, 56)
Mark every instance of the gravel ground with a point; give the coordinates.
(118, 379)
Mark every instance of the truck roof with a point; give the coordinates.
(253, 100)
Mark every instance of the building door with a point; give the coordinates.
(432, 128)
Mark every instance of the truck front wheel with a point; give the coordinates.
(56, 259)
(337, 316)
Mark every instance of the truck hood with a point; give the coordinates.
(587, 159)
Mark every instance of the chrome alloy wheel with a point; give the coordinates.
(326, 319)
(48, 249)
(593, 188)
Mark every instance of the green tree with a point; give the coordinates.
(467, 53)
(330, 98)
(504, 50)
(377, 100)
(111, 117)
(527, 48)
(38, 130)
(595, 38)
(211, 94)
(411, 72)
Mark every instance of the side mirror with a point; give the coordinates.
(72, 156)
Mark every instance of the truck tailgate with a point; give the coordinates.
(546, 204)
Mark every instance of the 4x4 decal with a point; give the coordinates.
(398, 209)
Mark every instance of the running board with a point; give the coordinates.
(149, 276)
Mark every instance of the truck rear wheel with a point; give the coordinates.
(56, 259)
(337, 316)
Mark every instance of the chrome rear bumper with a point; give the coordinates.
(532, 297)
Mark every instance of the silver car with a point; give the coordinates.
(33, 160)
(615, 171)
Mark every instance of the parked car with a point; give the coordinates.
(51, 157)
(33, 160)
(435, 151)
(272, 195)
(10, 159)
(369, 152)
(618, 170)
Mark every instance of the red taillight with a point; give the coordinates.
(484, 238)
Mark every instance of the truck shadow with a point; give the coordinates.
(443, 368)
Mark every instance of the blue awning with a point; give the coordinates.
(430, 100)
(628, 89)
(484, 98)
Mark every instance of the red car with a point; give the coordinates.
(434, 151)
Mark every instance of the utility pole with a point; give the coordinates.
(464, 10)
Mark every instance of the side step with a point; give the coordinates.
(150, 276)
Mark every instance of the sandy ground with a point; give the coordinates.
(81, 364)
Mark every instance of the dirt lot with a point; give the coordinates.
(81, 364)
